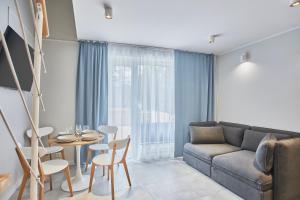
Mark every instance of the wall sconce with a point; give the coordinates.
(108, 12)
(294, 3)
(244, 57)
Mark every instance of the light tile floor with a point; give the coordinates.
(158, 180)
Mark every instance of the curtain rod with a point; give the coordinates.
(117, 43)
(134, 45)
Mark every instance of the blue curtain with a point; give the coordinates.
(194, 73)
(91, 87)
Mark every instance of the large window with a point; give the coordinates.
(141, 99)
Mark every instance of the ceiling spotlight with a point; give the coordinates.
(211, 39)
(108, 12)
(294, 3)
(244, 57)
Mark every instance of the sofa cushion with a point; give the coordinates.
(265, 153)
(240, 165)
(206, 152)
(207, 135)
(233, 135)
(252, 139)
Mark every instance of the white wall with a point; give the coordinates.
(12, 107)
(264, 91)
(59, 86)
(10, 101)
(8, 16)
(61, 55)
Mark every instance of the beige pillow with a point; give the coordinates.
(207, 135)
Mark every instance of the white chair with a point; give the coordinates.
(110, 159)
(109, 131)
(46, 169)
(46, 131)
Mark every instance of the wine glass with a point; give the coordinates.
(71, 130)
(85, 127)
(78, 130)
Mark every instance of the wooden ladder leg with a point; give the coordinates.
(68, 177)
(127, 173)
(23, 185)
(92, 177)
(112, 183)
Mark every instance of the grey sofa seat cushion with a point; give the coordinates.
(207, 135)
(253, 138)
(240, 165)
(206, 152)
(233, 135)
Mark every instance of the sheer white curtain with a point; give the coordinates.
(141, 99)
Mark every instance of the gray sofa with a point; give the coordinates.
(232, 163)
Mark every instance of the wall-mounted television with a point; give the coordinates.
(19, 57)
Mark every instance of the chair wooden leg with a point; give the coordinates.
(68, 177)
(112, 183)
(23, 185)
(41, 190)
(103, 172)
(92, 177)
(50, 182)
(88, 158)
(108, 173)
(127, 173)
(63, 154)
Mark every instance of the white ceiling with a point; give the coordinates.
(185, 24)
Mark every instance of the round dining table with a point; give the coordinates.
(79, 181)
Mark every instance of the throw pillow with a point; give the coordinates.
(265, 153)
(207, 135)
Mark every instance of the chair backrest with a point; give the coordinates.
(122, 144)
(24, 163)
(27, 151)
(109, 130)
(44, 131)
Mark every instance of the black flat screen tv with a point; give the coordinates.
(20, 60)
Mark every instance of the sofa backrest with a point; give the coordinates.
(270, 130)
(253, 138)
(244, 136)
(204, 124)
(233, 132)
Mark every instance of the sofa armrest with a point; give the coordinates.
(286, 174)
(204, 124)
